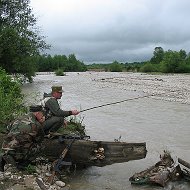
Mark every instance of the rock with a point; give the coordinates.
(67, 187)
(60, 183)
(48, 174)
(1, 175)
(7, 173)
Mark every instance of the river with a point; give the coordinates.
(163, 125)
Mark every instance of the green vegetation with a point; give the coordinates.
(11, 99)
(116, 67)
(59, 72)
(98, 67)
(58, 63)
(162, 62)
(29, 169)
(21, 44)
(168, 62)
(73, 127)
(19, 38)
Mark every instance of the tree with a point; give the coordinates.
(171, 62)
(19, 37)
(158, 55)
(183, 54)
(115, 67)
(74, 64)
(70, 64)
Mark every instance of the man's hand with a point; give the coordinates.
(75, 112)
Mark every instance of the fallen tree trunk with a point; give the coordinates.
(95, 153)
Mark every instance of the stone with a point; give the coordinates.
(60, 183)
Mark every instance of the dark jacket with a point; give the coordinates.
(52, 106)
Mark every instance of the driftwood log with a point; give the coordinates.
(94, 153)
(159, 174)
(90, 153)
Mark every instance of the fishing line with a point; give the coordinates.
(118, 102)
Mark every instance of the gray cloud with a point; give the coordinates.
(122, 30)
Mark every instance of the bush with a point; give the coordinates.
(148, 67)
(115, 67)
(183, 68)
(11, 99)
(30, 169)
(74, 127)
(59, 72)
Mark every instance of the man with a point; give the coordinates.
(54, 114)
(22, 142)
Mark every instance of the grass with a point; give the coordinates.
(73, 127)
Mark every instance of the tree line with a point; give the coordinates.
(59, 62)
(167, 62)
(162, 61)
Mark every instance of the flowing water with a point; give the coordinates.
(162, 125)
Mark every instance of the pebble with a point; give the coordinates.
(48, 174)
(174, 88)
(7, 173)
(60, 183)
(1, 175)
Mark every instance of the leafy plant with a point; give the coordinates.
(73, 127)
(11, 99)
(59, 72)
(148, 67)
(30, 169)
(115, 67)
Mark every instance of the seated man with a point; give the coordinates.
(22, 142)
(54, 114)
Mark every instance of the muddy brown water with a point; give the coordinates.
(162, 125)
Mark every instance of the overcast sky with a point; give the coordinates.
(108, 30)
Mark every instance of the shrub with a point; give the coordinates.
(59, 72)
(74, 127)
(183, 68)
(11, 99)
(148, 67)
(115, 67)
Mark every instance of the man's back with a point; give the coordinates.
(23, 133)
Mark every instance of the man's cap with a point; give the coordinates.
(56, 89)
(35, 108)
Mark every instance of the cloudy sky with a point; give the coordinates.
(107, 30)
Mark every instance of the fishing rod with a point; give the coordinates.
(117, 102)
